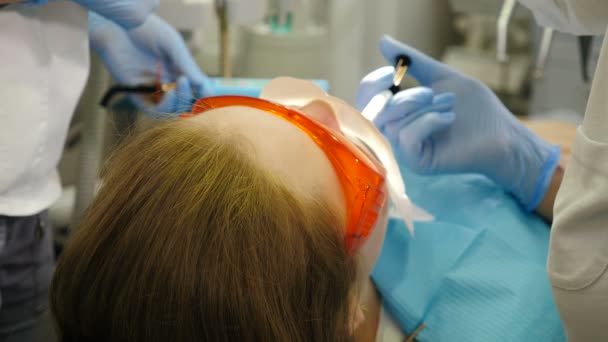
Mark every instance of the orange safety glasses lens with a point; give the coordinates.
(361, 181)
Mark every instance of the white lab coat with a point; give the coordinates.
(578, 256)
(44, 57)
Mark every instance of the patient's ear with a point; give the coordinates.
(322, 112)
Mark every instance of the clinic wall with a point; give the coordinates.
(357, 25)
(349, 50)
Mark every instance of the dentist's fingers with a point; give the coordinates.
(415, 143)
(424, 69)
(179, 100)
(409, 104)
(403, 104)
(374, 83)
(205, 89)
(425, 126)
(174, 102)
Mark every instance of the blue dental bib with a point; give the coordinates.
(477, 273)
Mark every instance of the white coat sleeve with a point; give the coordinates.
(578, 255)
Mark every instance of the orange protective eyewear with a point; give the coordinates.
(360, 178)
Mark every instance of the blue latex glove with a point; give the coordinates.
(126, 13)
(132, 56)
(456, 124)
(158, 38)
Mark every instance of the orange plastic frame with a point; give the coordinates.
(362, 181)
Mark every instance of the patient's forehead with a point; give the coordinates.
(282, 148)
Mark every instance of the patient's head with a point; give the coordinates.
(227, 226)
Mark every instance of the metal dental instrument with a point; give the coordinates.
(155, 91)
(377, 103)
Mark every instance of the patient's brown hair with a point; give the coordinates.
(190, 240)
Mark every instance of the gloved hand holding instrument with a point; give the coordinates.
(144, 55)
(151, 59)
(456, 124)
